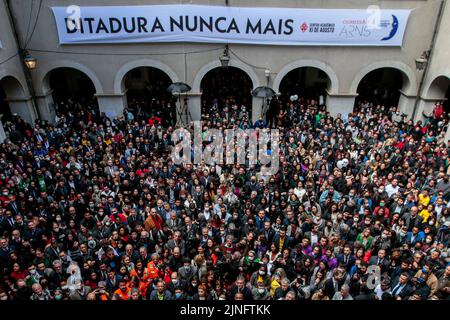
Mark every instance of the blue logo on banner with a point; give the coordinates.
(393, 30)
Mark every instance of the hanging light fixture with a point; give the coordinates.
(421, 62)
(267, 74)
(30, 61)
(225, 57)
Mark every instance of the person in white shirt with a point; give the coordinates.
(392, 188)
(383, 287)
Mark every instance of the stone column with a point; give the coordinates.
(340, 103)
(24, 108)
(112, 104)
(426, 106)
(406, 103)
(194, 102)
(2, 131)
(257, 109)
(46, 106)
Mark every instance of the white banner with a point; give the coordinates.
(213, 24)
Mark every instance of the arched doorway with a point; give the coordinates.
(440, 90)
(226, 86)
(308, 83)
(69, 84)
(5, 111)
(12, 98)
(146, 89)
(381, 86)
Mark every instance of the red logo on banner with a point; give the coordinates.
(304, 27)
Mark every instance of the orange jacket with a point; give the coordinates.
(124, 295)
(153, 271)
(143, 280)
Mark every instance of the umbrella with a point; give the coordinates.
(178, 87)
(263, 92)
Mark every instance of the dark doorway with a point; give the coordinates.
(69, 84)
(308, 83)
(147, 89)
(380, 86)
(226, 85)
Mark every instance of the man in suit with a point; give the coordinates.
(133, 218)
(176, 242)
(281, 240)
(398, 207)
(380, 260)
(412, 219)
(401, 289)
(39, 163)
(205, 179)
(173, 223)
(314, 235)
(13, 206)
(112, 282)
(110, 169)
(7, 221)
(334, 284)
(220, 236)
(346, 258)
(268, 231)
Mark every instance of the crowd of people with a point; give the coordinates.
(93, 208)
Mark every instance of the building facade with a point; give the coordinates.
(340, 69)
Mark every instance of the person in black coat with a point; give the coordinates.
(401, 289)
(421, 289)
(282, 237)
(239, 286)
(346, 258)
(334, 284)
(380, 260)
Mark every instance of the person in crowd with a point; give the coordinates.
(94, 207)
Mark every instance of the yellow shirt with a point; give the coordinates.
(281, 244)
(273, 286)
(424, 200)
(425, 214)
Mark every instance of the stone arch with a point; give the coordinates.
(12, 87)
(409, 78)
(334, 82)
(215, 64)
(120, 75)
(45, 78)
(434, 89)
